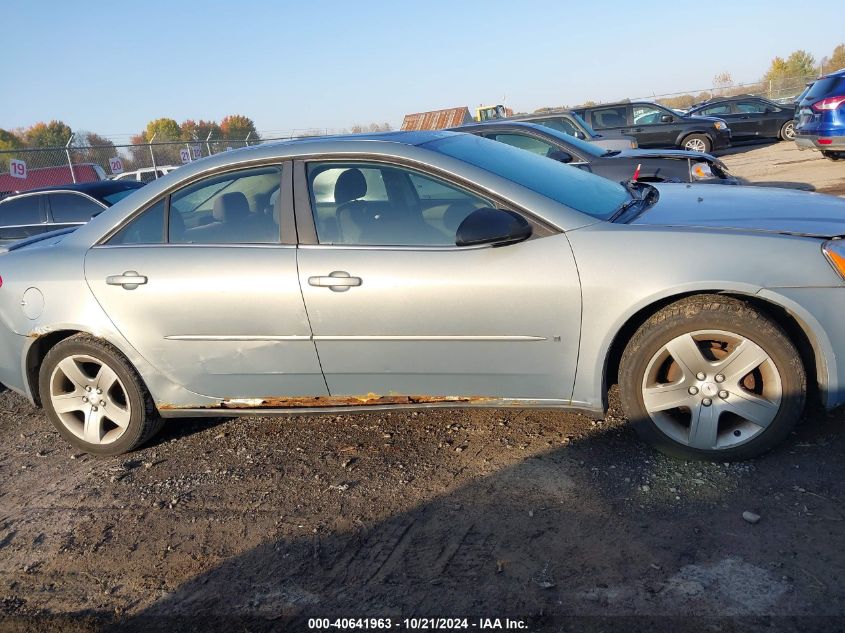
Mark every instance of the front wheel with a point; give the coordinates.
(696, 143)
(95, 398)
(710, 377)
(787, 131)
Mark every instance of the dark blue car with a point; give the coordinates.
(820, 118)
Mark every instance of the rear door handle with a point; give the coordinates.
(338, 280)
(129, 280)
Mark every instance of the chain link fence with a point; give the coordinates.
(32, 168)
(781, 90)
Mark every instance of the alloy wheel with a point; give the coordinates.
(90, 399)
(712, 389)
(695, 145)
(789, 131)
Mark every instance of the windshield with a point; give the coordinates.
(570, 186)
(117, 196)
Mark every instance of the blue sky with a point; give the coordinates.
(110, 67)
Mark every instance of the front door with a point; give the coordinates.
(202, 287)
(397, 309)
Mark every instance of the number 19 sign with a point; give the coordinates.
(17, 168)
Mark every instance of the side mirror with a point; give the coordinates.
(496, 227)
(667, 118)
(580, 134)
(560, 155)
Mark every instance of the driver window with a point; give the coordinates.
(750, 107)
(381, 205)
(647, 115)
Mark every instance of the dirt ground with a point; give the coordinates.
(550, 519)
(784, 165)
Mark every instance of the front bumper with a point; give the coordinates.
(819, 313)
(721, 139)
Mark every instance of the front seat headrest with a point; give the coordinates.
(351, 185)
(230, 206)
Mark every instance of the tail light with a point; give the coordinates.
(831, 103)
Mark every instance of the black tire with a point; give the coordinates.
(699, 138)
(702, 312)
(833, 155)
(144, 421)
(787, 131)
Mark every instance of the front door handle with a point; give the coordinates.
(338, 280)
(129, 280)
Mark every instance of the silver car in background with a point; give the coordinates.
(430, 269)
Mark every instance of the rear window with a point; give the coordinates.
(824, 88)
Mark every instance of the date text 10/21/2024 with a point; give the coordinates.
(417, 624)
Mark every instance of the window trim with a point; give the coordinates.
(287, 229)
(304, 215)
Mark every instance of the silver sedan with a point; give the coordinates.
(430, 269)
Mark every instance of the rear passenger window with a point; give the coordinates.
(26, 210)
(233, 208)
(71, 207)
(604, 118)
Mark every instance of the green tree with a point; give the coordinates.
(9, 142)
(93, 148)
(236, 127)
(163, 129)
(801, 64)
(52, 134)
(836, 61)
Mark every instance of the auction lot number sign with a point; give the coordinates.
(17, 168)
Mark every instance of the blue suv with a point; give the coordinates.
(820, 117)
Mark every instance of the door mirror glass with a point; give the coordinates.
(560, 155)
(496, 227)
(667, 118)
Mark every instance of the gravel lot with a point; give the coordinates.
(564, 523)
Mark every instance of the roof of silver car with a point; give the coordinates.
(406, 138)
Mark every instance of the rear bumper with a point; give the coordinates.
(831, 143)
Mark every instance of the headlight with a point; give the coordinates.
(701, 171)
(834, 250)
(720, 125)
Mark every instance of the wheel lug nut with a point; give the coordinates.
(102, 403)
(720, 378)
(88, 388)
(723, 394)
(707, 402)
(99, 391)
(693, 391)
(700, 375)
(93, 408)
(84, 398)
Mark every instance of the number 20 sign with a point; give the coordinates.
(17, 168)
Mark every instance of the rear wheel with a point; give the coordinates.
(833, 155)
(95, 398)
(710, 377)
(787, 131)
(696, 143)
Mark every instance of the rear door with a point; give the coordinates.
(204, 285)
(414, 315)
(750, 119)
